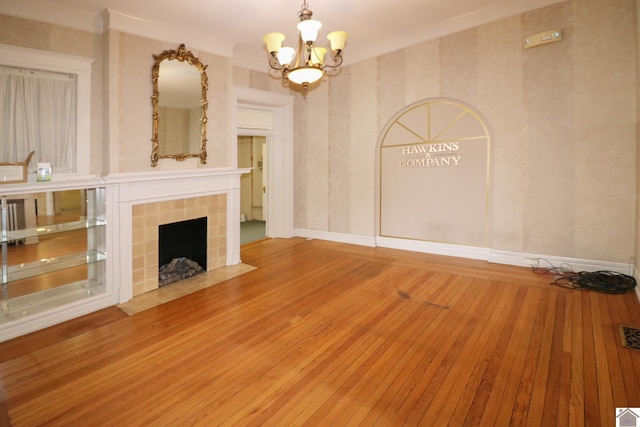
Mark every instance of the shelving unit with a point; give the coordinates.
(50, 264)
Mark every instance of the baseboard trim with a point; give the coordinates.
(539, 260)
(461, 251)
(521, 259)
(336, 237)
(41, 320)
(635, 275)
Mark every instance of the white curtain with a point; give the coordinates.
(38, 113)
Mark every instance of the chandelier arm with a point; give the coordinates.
(300, 53)
(273, 63)
(337, 59)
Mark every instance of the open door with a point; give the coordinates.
(265, 185)
(270, 114)
(253, 187)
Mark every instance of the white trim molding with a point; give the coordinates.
(137, 188)
(519, 259)
(119, 21)
(81, 67)
(539, 260)
(279, 182)
(336, 237)
(450, 26)
(448, 249)
(635, 276)
(45, 11)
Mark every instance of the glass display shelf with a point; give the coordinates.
(27, 305)
(53, 252)
(18, 235)
(51, 264)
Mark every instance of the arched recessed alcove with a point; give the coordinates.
(432, 172)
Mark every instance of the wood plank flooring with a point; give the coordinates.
(325, 334)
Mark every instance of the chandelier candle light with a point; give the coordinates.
(306, 65)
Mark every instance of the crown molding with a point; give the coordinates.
(118, 21)
(17, 56)
(43, 11)
(257, 60)
(451, 26)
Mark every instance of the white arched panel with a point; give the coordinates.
(433, 174)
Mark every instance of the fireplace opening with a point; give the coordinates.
(182, 250)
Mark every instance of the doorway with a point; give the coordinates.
(252, 150)
(278, 169)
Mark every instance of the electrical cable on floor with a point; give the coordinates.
(604, 281)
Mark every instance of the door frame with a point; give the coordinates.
(279, 209)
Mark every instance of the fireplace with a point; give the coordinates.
(145, 200)
(182, 250)
(149, 218)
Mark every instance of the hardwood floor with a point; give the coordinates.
(326, 334)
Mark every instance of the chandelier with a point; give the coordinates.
(305, 65)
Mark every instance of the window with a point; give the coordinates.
(45, 101)
(38, 113)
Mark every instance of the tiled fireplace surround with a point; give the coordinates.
(146, 200)
(148, 217)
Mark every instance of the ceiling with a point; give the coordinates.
(374, 27)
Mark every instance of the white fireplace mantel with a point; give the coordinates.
(129, 189)
(141, 187)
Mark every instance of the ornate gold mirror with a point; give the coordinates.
(180, 114)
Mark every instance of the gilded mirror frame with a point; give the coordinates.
(182, 55)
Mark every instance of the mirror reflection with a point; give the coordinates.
(179, 106)
(36, 260)
(32, 210)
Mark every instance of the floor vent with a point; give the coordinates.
(630, 337)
